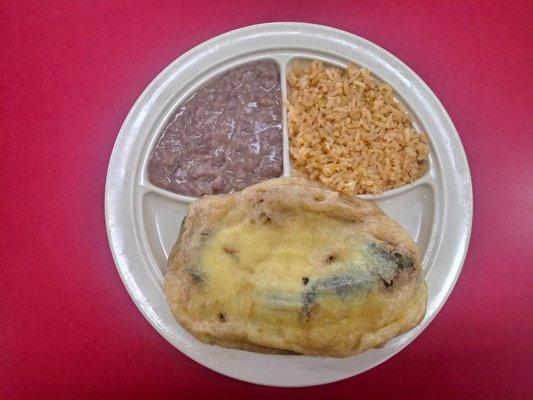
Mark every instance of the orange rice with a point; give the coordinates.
(348, 132)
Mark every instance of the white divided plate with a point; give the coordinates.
(143, 220)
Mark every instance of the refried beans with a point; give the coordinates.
(225, 136)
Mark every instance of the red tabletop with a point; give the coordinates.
(70, 72)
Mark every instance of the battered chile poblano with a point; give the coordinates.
(286, 266)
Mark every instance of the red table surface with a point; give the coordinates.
(70, 72)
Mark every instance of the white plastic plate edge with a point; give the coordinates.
(132, 262)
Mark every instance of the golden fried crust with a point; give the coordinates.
(288, 266)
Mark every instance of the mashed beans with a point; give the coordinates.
(224, 137)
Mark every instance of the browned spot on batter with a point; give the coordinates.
(307, 315)
(196, 275)
(230, 250)
(263, 217)
(388, 285)
(319, 197)
(331, 258)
